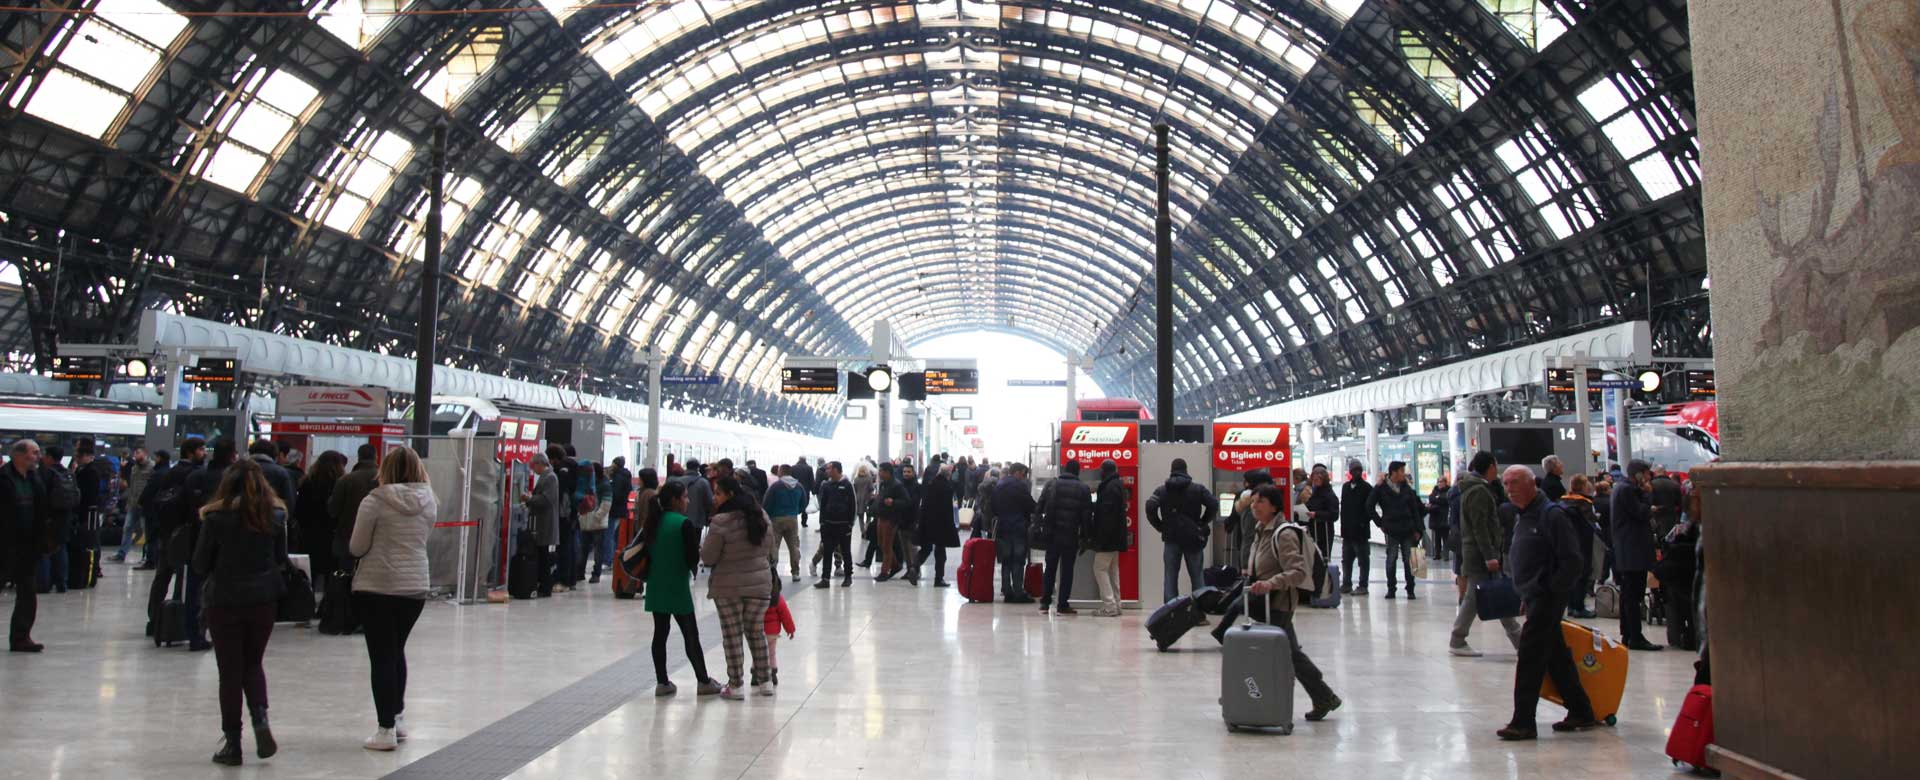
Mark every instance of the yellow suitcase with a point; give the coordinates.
(1602, 664)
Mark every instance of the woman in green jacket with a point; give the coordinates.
(673, 547)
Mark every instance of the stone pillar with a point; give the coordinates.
(1809, 120)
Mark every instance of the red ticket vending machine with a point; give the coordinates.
(1089, 444)
(517, 442)
(1242, 447)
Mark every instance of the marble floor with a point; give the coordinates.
(883, 680)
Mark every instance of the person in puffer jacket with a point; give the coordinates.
(1182, 511)
(1397, 509)
(390, 583)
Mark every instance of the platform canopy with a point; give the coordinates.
(1360, 188)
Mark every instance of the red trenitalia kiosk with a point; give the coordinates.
(516, 443)
(1090, 443)
(1242, 447)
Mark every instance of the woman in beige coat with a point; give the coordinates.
(390, 583)
(741, 584)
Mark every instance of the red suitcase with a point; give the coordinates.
(1036, 579)
(975, 576)
(1693, 731)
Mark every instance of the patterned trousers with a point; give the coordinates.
(744, 618)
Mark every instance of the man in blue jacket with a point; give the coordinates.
(1545, 562)
(784, 502)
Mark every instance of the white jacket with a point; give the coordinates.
(390, 539)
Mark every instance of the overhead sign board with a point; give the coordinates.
(79, 369)
(1246, 446)
(1560, 381)
(953, 381)
(341, 402)
(1700, 383)
(211, 372)
(1036, 383)
(810, 380)
(689, 379)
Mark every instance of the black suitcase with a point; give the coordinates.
(1222, 577)
(172, 626)
(1214, 601)
(521, 576)
(80, 571)
(336, 610)
(297, 604)
(1173, 620)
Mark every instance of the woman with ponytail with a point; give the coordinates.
(672, 546)
(736, 548)
(242, 547)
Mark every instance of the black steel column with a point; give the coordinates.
(424, 338)
(1162, 287)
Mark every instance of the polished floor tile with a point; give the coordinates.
(883, 679)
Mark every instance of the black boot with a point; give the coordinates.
(263, 743)
(229, 754)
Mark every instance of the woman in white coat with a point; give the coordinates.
(390, 584)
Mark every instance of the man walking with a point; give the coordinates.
(1398, 507)
(784, 501)
(1633, 550)
(803, 474)
(134, 476)
(1545, 562)
(1483, 542)
(1183, 513)
(1356, 517)
(836, 525)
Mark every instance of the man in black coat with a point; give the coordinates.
(803, 474)
(1013, 505)
(1109, 536)
(1183, 512)
(22, 538)
(167, 504)
(1066, 508)
(1552, 479)
(1356, 517)
(266, 453)
(1633, 550)
(836, 525)
(936, 529)
(1544, 560)
(1398, 508)
(761, 482)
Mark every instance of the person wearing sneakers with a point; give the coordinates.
(778, 617)
(736, 547)
(241, 551)
(1483, 541)
(1546, 564)
(785, 499)
(672, 549)
(1279, 564)
(390, 584)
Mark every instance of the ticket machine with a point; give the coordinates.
(1238, 448)
(1089, 444)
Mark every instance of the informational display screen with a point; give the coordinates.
(1700, 383)
(857, 387)
(79, 369)
(810, 380)
(211, 372)
(953, 381)
(913, 386)
(1560, 381)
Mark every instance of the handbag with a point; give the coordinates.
(1495, 598)
(1419, 563)
(594, 519)
(636, 558)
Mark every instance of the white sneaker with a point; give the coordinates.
(763, 689)
(731, 693)
(400, 728)
(1465, 651)
(382, 740)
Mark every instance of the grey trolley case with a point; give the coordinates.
(1256, 672)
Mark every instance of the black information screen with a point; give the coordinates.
(913, 386)
(810, 380)
(79, 369)
(953, 381)
(211, 372)
(1700, 384)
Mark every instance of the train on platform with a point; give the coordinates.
(1102, 409)
(114, 427)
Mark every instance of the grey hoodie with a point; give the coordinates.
(390, 539)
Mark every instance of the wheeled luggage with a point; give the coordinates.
(1329, 595)
(1035, 580)
(975, 576)
(521, 575)
(1256, 678)
(336, 609)
(80, 563)
(170, 627)
(1222, 577)
(1173, 620)
(625, 584)
(297, 604)
(1693, 731)
(1602, 664)
(1214, 601)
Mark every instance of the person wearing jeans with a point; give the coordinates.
(1483, 542)
(1183, 512)
(1397, 508)
(243, 548)
(391, 583)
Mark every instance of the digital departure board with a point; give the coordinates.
(211, 372)
(810, 380)
(1560, 381)
(79, 369)
(953, 381)
(1700, 384)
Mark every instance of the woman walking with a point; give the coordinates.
(938, 525)
(390, 586)
(1279, 563)
(736, 548)
(672, 548)
(242, 547)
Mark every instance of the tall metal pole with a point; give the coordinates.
(656, 365)
(1073, 388)
(423, 360)
(1163, 285)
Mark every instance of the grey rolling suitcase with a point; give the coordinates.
(1256, 679)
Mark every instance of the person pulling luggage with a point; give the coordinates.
(1545, 563)
(1280, 563)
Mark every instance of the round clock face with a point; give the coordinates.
(879, 379)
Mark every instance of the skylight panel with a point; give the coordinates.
(234, 167)
(149, 20)
(77, 104)
(356, 22)
(465, 67)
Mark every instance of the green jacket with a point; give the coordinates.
(1481, 536)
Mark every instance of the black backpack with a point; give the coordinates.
(63, 492)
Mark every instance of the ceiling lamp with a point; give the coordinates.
(1649, 381)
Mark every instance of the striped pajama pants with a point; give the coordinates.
(744, 618)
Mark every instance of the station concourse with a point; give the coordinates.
(414, 389)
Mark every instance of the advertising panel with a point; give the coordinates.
(336, 402)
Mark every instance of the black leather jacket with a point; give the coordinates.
(244, 564)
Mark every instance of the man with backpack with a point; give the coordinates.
(22, 536)
(1182, 511)
(1066, 508)
(169, 509)
(64, 501)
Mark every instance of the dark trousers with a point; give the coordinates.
(1060, 559)
(590, 546)
(21, 563)
(388, 620)
(543, 563)
(838, 545)
(689, 633)
(1304, 671)
(1543, 652)
(1355, 554)
(1676, 581)
(939, 556)
(53, 570)
(569, 547)
(1013, 564)
(162, 580)
(240, 637)
(1633, 601)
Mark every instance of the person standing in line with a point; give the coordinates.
(673, 547)
(890, 502)
(1633, 550)
(838, 499)
(311, 516)
(57, 483)
(1282, 563)
(1182, 511)
(163, 464)
(200, 489)
(593, 524)
(1483, 542)
(542, 500)
(619, 510)
(243, 549)
(762, 481)
(907, 535)
(1545, 562)
(1356, 519)
(699, 494)
(982, 520)
(24, 498)
(938, 529)
(391, 584)
(1397, 509)
(803, 474)
(266, 453)
(784, 501)
(736, 548)
(1108, 536)
(1323, 510)
(134, 475)
(1553, 478)
(1578, 503)
(344, 504)
(1437, 517)
(1067, 506)
(168, 509)
(1013, 504)
(566, 470)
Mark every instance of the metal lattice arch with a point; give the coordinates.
(1360, 188)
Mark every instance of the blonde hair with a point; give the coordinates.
(402, 464)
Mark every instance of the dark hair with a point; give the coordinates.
(367, 452)
(1482, 461)
(1273, 495)
(556, 452)
(739, 500)
(1398, 465)
(650, 479)
(327, 469)
(835, 465)
(1070, 468)
(264, 447)
(192, 445)
(1258, 477)
(162, 457)
(886, 468)
(1636, 467)
(725, 465)
(244, 491)
(54, 453)
(571, 452)
(662, 500)
(1354, 467)
(620, 461)
(224, 451)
